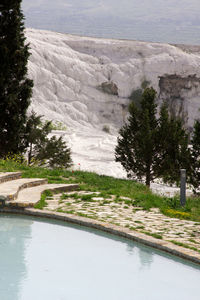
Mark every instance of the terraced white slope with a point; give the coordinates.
(68, 72)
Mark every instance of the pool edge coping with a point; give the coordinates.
(165, 246)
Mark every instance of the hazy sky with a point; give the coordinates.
(155, 20)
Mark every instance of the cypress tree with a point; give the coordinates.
(15, 87)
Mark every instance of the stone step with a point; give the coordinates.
(8, 176)
(9, 190)
(31, 196)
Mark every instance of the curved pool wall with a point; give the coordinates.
(163, 245)
(46, 259)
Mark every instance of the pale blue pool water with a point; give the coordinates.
(44, 260)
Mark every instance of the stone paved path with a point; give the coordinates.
(120, 212)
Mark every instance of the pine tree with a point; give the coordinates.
(15, 87)
(52, 152)
(137, 146)
(195, 159)
(174, 153)
(151, 147)
(36, 134)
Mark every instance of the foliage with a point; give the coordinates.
(136, 149)
(176, 214)
(106, 128)
(54, 152)
(15, 87)
(195, 149)
(145, 84)
(145, 150)
(17, 158)
(88, 197)
(43, 150)
(36, 134)
(42, 203)
(174, 153)
(55, 125)
(155, 235)
(66, 196)
(136, 95)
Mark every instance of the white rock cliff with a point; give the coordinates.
(86, 84)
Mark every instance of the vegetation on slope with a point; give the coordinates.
(139, 194)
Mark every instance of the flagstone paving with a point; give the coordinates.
(121, 212)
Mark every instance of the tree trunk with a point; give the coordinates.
(148, 177)
(30, 155)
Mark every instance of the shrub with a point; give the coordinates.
(106, 128)
(52, 152)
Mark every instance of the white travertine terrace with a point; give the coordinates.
(68, 71)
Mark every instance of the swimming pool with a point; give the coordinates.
(42, 259)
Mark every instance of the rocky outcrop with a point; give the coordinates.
(85, 81)
(174, 86)
(176, 90)
(109, 87)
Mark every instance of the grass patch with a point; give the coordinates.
(104, 202)
(155, 235)
(132, 228)
(184, 245)
(140, 227)
(67, 196)
(66, 211)
(88, 197)
(139, 194)
(68, 204)
(103, 195)
(125, 207)
(42, 203)
(128, 202)
(193, 241)
(86, 215)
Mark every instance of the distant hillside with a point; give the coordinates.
(172, 21)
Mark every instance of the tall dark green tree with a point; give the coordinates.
(195, 160)
(174, 152)
(15, 87)
(150, 147)
(137, 149)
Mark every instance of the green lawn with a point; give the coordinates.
(140, 195)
